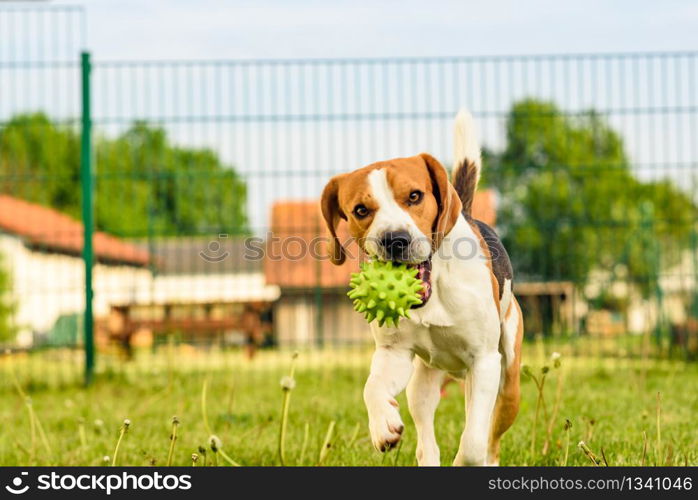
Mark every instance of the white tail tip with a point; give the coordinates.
(465, 141)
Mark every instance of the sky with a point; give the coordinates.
(300, 29)
(216, 29)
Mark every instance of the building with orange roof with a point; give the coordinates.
(41, 249)
(200, 286)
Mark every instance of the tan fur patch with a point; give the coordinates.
(507, 406)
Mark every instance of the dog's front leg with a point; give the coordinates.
(423, 396)
(483, 388)
(391, 369)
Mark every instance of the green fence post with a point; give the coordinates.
(87, 182)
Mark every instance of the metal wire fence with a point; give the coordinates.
(207, 174)
(42, 276)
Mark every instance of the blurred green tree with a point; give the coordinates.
(165, 189)
(145, 184)
(7, 305)
(40, 162)
(571, 204)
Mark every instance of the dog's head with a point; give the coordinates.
(397, 210)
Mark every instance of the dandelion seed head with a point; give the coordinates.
(215, 443)
(288, 383)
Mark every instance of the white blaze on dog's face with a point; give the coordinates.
(397, 210)
(399, 231)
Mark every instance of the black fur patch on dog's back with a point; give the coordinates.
(501, 265)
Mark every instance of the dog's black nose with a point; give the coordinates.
(396, 244)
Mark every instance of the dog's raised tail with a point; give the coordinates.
(466, 159)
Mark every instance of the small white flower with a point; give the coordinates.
(127, 423)
(99, 422)
(556, 359)
(106, 459)
(287, 383)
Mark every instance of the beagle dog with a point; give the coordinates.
(469, 324)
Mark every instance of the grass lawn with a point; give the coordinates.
(611, 405)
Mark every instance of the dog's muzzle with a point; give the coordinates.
(397, 246)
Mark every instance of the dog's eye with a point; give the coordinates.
(360, 211)
(415, 197)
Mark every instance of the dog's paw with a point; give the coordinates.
(386, 427)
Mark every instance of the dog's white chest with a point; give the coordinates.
(448, 340)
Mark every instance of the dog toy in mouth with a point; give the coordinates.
(385, 291)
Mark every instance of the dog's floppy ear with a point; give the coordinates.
(332, 213)
(446, 197)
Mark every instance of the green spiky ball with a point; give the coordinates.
(385, 291)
